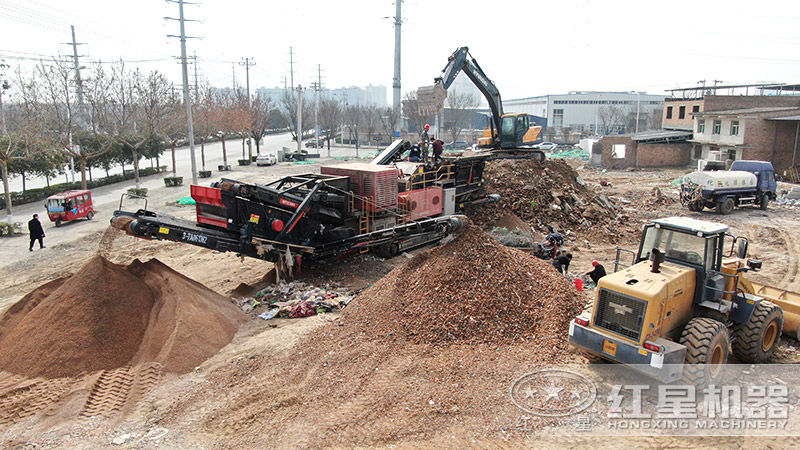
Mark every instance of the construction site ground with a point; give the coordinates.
(341, 380)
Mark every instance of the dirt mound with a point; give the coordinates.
(429, 350)
(547, 194)
(471, 290)
(107, 316)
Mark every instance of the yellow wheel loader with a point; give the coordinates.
(684, 303)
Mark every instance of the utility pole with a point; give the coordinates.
(317, 87)
(196, 92)
(716, 82)
(291, 66)
(396, 81)
(247, 65)
(233, 70)
(185, 73)
(299, 118)
(76, 66)
(637, 112)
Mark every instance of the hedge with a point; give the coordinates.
(37, 195)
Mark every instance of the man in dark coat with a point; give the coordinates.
(438, 148)
(561, 263)
(37, 232)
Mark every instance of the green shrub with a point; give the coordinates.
(14, 229)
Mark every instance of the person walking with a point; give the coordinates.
(36, 231)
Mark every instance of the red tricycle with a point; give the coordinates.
(69, 205)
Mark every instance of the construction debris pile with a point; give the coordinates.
(548, 195)
(470, 290)
(108, 316)
(296, 299)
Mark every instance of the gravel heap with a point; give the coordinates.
(547, 194)
(470, 290)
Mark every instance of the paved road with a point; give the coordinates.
(107, 198)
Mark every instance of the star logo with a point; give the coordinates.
(529, 392)
(553, 391)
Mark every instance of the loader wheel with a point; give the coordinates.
(725, 207)
(707, 345)
(757, 339)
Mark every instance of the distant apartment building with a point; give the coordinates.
(366, 96)
(590, 112)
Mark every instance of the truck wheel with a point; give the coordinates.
(707, 345)
(90, 215)
(764, 201)
(58, 222)
(725, 207)
(757, 339)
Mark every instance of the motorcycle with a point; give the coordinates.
(549, 247)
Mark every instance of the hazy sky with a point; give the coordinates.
(527, 48)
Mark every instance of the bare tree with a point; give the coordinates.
(330, 117)
(388, 119)
(611, 118)
(654, 121)
(411, 111)
(459, 112)
(565, 131)
(261, 111)
(371, 119)
(204, 120)
(352, 120)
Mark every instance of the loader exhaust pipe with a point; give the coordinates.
(657, 258)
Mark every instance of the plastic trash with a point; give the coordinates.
(269, 314)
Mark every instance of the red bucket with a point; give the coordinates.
(578, 283)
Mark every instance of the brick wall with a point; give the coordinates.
(649, 155)
(727, 102)
(770, 140)
(618, 163)
(664, 155)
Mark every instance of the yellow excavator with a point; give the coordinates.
(509, 135)
(683, 303)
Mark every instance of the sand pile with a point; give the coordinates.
(543, 194)
(107, 316)
(471, 290)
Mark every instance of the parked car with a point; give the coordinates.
(266, 159)
(312, 143)
(547, 146)
(457, 145)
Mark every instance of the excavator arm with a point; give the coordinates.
(462, 60)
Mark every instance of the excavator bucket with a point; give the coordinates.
(431, 99)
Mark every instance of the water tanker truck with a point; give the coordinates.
(746, 183)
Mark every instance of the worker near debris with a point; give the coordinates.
(598, 272)
(424, 141)
(561, 263)
(438, 149)
(416, 153)
(37, 232)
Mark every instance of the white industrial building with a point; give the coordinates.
(583, 111)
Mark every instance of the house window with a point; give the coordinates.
(717, 126)
(618, 151)
(695, 108)
(669, 112)
(682, 112)
(701, 125)
(735, 128)
(732, 154)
